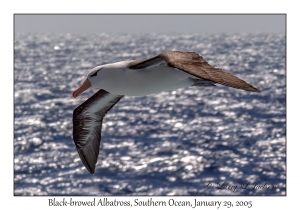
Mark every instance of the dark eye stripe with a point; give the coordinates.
(95, 74)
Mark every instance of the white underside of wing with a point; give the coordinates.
(100, 103)
(87, 126)
(92, 112)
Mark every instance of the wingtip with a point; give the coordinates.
(88, 168)
(253, 89)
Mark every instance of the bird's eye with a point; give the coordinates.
(95, 74)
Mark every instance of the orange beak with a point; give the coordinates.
(85, 85)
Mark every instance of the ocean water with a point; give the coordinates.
(192, 141)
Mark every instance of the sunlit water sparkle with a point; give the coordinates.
(171, 143)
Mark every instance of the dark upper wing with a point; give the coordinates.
(87, 124)
(194, 64)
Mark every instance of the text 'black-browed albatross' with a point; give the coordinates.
(164, 72)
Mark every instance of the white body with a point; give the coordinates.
(116, 78)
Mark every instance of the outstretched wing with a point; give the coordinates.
(87, 124)
(194, 64)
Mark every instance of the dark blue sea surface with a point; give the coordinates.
(192, 141)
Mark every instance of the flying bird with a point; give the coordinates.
(164, 72)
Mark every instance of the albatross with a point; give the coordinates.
(164, 72)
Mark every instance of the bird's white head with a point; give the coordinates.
(96, 76)
(87, 82)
